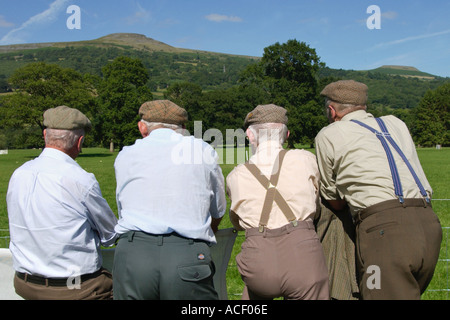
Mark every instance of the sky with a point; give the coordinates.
(346, 34)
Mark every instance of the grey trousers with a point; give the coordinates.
(162, 267)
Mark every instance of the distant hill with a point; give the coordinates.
(397, 87)
(166, 64)
(404, 71)
(115, 40)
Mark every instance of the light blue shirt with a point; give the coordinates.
(57, 217)
(168, 183)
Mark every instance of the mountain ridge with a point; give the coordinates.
(143, 43)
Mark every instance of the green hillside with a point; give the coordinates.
(404, 71)
(394, 87)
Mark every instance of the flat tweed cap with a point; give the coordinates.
(267, 113)
(163, 111)
(66, 118)
(346, 92)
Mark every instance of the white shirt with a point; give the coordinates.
(57, 217)
(168, 183)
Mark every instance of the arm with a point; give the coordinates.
(215, 224)
(101, 216)
(337, 205)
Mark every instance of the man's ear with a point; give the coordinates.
(143, 129)
(80, 143)
(251, 137)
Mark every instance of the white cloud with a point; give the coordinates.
(413, 38)
(4, 23)
(19, 35)
(220, 18)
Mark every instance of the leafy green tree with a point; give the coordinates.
(121, 93)
(288, 73)
(38, 87)
(432, 122)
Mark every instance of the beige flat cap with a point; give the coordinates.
(66, 118)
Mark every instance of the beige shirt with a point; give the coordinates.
(298, 184)
(353, 164)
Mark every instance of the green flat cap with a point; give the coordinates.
(346, 92)
(164, 111)
(267, 113)
(66, 118)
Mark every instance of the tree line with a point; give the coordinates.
(289, 74)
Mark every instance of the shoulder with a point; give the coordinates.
(236, 173)
(301, 154)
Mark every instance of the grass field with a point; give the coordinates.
(436, 164)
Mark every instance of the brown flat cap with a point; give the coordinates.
(66, 118)
(346, 92)
(267, 113)
(164, 111)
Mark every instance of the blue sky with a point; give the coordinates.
(413, 33)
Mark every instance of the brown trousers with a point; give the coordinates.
(397, 249)
(287, 262)
(99, 288)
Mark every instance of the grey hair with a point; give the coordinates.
(343, 107)
(152, 125)
(62, 139)
(269, 132)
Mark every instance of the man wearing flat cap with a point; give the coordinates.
(371, 165)
(58, 218)
(274, 198)
(171, 197)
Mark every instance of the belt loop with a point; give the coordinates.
(46, 282)
(26, 277)
(191, 241)
(130, 236)
(425, 202)
(160, 240)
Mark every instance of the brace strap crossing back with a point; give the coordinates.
(272, 192)
(383, 136)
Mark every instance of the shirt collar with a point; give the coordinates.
(163, 134)
(56, 154)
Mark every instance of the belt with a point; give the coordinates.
(288, 228)
(55, 282)
(387, 205)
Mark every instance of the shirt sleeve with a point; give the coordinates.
(101, 216)
(218, 202)
(324, 154)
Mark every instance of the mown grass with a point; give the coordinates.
(436, 164)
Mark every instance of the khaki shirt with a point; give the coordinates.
(298, 184)
(353, 164)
